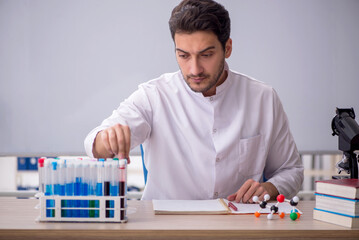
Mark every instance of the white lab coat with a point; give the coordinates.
(200, 147)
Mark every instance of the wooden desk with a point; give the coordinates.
(17, 221)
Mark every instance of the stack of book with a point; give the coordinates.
(337, 202)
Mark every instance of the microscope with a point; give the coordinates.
(347, 129)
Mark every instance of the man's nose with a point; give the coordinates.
(196, 67)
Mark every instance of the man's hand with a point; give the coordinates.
(252, 188)
(115, 140)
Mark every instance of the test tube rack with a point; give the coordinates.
(79, 209)
(82, 190)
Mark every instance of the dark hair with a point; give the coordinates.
(201, 15)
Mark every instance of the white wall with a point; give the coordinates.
(66, 64)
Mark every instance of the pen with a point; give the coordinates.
(231, 205)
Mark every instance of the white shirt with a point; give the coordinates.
(200, 147)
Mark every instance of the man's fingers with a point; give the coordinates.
(112, 136)
(232, 197)
(244, 188)
(246, 192)
(247, 197)
(105, 141)
(121, 143)
(260, 192)
(115, 140)
(127, 135)
(261, 196)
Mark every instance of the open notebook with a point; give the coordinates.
(213, 206)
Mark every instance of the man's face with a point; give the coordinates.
(200, 57)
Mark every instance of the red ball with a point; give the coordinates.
(280, 198)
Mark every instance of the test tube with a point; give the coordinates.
(54, 177)
(48, 187)
(115, 178)
(48, 179)
(92, 177)
(106, 186)
(41, 174)
(61, 177)
(78, 178)
(85, 188)
(62, 185)
(107, 179)
(69, 186)
(77, 187)
(114, 185)
(122, 187)
(100, 173)
(92, 188)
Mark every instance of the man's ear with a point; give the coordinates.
(228, 48)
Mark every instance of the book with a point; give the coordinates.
(336, 204)
(347, 188)
(213, 206)
(335, 218)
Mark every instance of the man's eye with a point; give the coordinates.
(183, 56)
(207, 55)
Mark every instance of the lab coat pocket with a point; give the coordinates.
(251, 156)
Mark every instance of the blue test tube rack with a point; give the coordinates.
(88, 206)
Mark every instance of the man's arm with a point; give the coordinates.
(113, 136)
(283, 168)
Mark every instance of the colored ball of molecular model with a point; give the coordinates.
(274, 208)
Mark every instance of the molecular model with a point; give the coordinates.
(274, 208)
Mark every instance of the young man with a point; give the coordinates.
(207, 131)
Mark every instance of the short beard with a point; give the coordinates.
(211, 84)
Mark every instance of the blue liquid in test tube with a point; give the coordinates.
(99, 182)
(77, 188)
(54, 176)
(69, 186)
(62, 185)
(92, 188)
(114, 185)
(48, 187)
(55, 181)
(85, 188)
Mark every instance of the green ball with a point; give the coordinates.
(293, 216)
